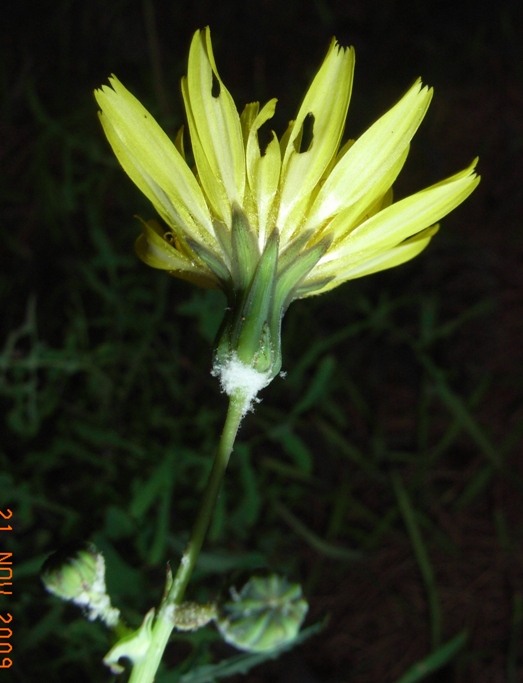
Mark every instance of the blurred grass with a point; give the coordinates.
(110, 416)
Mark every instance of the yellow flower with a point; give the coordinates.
(299, 217)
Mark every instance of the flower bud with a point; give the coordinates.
(265, 615)
(190, 616)
(77, 574)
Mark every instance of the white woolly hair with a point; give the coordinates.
(241, 380)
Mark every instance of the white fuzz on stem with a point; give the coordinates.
(240, 380)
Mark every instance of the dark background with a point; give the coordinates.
(414, 373)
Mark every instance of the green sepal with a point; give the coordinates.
(295, 271)
(293, 249)
(245, 251)
(215, 263)
(246, 331)
(310, 288)
(223, 236)
(255, 341)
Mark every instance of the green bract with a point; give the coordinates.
(133, 646)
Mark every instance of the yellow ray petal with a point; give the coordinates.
(214, 120)
(327, 102)
(407, 217)
(212, 185)
(263, 172)
(152, 161)
(154, 250)
(367, 163)
(371, 202)
(388, 259)
(247, 119)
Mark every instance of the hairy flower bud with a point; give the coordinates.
(76, 573)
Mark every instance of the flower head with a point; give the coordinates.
(268, 226)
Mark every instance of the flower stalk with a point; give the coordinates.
(145, 669)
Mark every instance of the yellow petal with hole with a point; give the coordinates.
(325, 108)
(214, 120)
(367, 163)
(212, 185)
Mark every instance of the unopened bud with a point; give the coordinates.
(265, 615)
(77, 574)
(190, 616)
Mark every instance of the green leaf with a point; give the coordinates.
(242, 664)
(435, 660)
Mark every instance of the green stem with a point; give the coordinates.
(145, 670)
